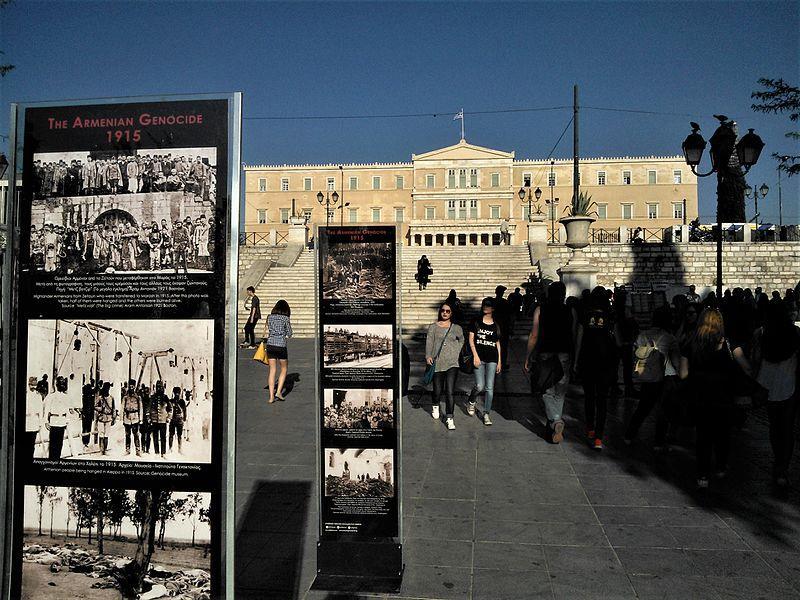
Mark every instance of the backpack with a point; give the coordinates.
(648, 361)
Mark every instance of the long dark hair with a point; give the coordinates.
(780, 339)
(441, 306)
(281, 308)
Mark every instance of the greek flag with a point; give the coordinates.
(459, 115)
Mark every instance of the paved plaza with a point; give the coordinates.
(498, 513)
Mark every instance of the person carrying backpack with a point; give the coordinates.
(657, 357)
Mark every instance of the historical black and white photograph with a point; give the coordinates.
(106, 212)
(100, 544)
(357, 346)
(359, 472)
(358, 409)
(358, 271)
(121, 390)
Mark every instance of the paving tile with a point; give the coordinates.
(656, 561)
(435, 582)
(572, 534)
(496, 584)
(436, 528)
(598, 586)
(437, 553)
(673, 587)
(435, 507)
(785, 563)
(509, 556)
(747, 588)
(729, 563)
(640, 536)
(707, 538)
(495, 530)
(458, 489)
(562, 559)
(612, 497)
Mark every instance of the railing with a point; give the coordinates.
(282, 238)
(553, 236)
(604, 236)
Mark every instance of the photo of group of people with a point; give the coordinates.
(358, 271)
(348, 346)
(62, 174)
(120, 390)
(144, 225)
(358, 409)
(88, 542)
(359, 472)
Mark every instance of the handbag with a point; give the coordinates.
(428, 376)
(545, 372)
(465, 363)
(261, 354)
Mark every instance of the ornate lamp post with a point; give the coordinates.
(527, 189)
(755, 194)
(727, 155)
(327, 201)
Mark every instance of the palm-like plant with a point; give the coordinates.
(581, 206)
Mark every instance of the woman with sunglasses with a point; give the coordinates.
(442, 347)
(484, 341)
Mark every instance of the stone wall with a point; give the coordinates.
(771, 265)
(249, 254)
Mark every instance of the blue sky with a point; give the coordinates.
(351, 59)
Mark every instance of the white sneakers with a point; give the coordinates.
(435, 411)
(470, 408)
(450, 423)
(486, 419)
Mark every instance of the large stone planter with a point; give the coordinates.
(577, 231)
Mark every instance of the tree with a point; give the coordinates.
(191, 511)
(119, 507)
(43, 492)
(170, 510)
(147, 508)
(98, 505)
(54, 499)
(779, 97)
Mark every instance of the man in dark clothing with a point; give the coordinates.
(180, 246)
(502, 316)
(178, 419)
(144, 426)
(160, 413)
(255, 314)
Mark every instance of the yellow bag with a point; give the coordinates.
(261, 354)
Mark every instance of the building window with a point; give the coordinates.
(262, 216)
(307, 214)
(353, 215)
(430, 212)
(473, 209)
(398, 215)
(601, 178)
(473, 178)
(284, 215)
(676, 176)
(626, 178)
(551, 179)
(331, 184)
(526, 180)
(285, 184)
(354, 183)
(430, 181)
(602, 211)
(494, 212)
(451, 209)
(331, 215)
(652, 211)
(262, 185)
(307, 183)
(651, 177)
(526, 213)
(398, 181)
(462, 178)
(376, 215)
(495, 180)
(677, 210)
(451, 178)
(376, 182)
(627, 211)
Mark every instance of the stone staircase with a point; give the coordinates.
(473, 272)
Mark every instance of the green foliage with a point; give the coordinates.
(779, 97)
(581, 206)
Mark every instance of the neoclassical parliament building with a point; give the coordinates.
(460, 194)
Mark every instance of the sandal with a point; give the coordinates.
(280, 398)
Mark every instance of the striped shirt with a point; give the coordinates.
(280, 328)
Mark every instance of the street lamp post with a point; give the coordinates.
(526, 191)
(756, 193)
(328, 200)
(723, 145)
(341, 209)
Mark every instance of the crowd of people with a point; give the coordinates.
(122, 246)
(699, 363)
(347, 416)
(125, 175)
(88, 417)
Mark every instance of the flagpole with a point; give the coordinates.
(462, 123)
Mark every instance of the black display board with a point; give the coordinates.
(121, 371)
(359, 409)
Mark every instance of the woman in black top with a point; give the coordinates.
(484, 341)
(423, 272)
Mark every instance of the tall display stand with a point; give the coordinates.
(358, 394)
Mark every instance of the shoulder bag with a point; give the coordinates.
(428, 376)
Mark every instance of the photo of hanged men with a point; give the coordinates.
(122, 390)
(105, 212)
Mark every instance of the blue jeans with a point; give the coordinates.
(484, 380)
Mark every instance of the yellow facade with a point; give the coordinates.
(469, 188)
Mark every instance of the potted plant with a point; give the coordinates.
(578, 220)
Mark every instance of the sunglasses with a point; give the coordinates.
(445, 311)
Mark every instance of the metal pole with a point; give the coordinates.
(684, 211)
(552, 206)
(341, 195)
(575, 172)
(780, 205)
(720, 179)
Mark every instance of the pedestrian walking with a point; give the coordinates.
(595, 360)
(505, 235)
(626, 330)
(442, 347)
(424, 271)
(253, 305)
(278, 329)
(484, 341)
(552, 336)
